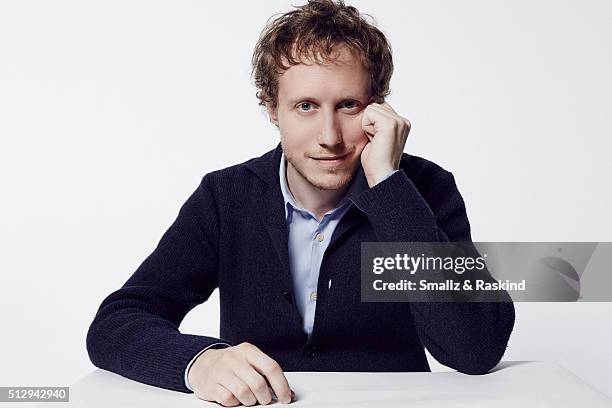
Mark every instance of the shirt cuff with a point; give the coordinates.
(194, 359)
(386, 177)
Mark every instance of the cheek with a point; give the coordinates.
(296, 133)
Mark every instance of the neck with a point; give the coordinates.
(313, 199)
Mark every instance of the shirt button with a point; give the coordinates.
(319, 237)
(310, 351)
(313, 296)
(287, 296)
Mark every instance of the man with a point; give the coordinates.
(280, 236)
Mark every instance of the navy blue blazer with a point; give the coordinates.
(231, 234)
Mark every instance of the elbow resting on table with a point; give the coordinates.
(479, 366)
(485, 354)
(94, 346)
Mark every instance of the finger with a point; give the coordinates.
(256, 382)
(239, 388)
(388, 107)
(293, 397)
(384, 106)
(372, 120)
(271, 371)
(369, 135)
(367, 124)
(223, 396)
(369, 131)
(370, 116)
(387, 113)
(373, 114)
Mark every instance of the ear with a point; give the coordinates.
(272, 113)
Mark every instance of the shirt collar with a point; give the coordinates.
(358, 185)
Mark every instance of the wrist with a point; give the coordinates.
(200, 363)
(380, 175)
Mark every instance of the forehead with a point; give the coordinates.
(345, 75)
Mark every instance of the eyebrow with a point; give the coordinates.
(310, 98)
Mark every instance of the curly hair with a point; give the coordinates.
(312, 31)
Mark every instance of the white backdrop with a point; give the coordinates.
(111, 112)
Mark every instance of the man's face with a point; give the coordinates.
(319, 117)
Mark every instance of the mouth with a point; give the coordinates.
(330, 161)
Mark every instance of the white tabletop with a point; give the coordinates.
(510, 384)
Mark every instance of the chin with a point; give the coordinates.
(325, 178)
(330, 180)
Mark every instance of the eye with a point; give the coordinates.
(304, 106)
(349, 104)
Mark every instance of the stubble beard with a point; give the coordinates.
(342, 176)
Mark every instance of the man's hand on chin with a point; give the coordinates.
(387, 132)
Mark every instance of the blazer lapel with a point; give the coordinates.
(273, 216)
(271, 211)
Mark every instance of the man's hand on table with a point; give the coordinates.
(241, 374)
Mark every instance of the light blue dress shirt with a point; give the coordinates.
(308, 239)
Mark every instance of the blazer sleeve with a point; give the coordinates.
(470, 337)
(135, 330)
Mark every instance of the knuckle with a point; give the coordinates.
(226, 398)
(260, 386)
(266, 400)
(247, 346)
(228, 360)
(250, 403)
(272, 368)
(242, 392)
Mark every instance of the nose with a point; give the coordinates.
(330, 134)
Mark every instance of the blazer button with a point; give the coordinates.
(310, 351)
(287, 296)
